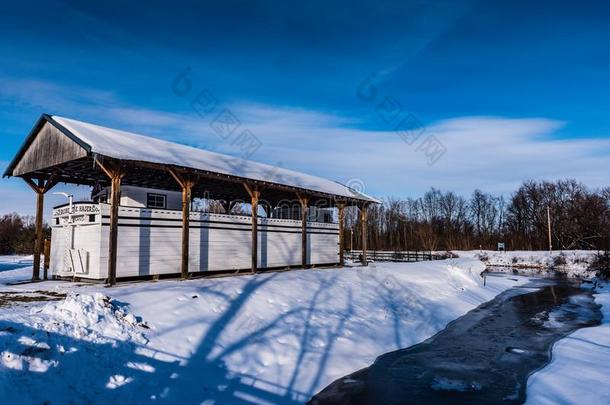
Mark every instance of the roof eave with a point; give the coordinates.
(26, 144)
(44, 118)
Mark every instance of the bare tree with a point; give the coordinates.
(444, 220)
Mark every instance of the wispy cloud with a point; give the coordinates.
(39, 93)
(492, 153)
(100, 106)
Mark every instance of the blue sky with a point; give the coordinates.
(511, 90)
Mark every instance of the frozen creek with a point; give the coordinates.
(486, 356)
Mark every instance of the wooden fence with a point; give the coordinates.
(393, 256)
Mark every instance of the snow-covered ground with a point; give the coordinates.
(580, 370)
(572, 263)
(9, 266)
(268, 338)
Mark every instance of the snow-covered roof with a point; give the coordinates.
(125, 145)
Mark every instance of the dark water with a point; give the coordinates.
(483, 357)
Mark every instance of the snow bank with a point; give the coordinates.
(585, 352)
(53, 339)
(268, 338)
(572, 263)
(94, 318)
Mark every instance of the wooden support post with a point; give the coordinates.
(341, 206)
(115, 173)
(187, 193)
(39, 235)
(115, 200)
(304, 232)
(255, 196)
(363, 219)
(186, 183)
(40, 188)
(304, 200)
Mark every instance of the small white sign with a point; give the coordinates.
(77, 209)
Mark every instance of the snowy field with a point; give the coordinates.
(269, 338)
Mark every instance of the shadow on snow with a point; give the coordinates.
(128, 372)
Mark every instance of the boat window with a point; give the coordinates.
(156, 201)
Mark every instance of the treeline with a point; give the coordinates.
(580, 219)
(17, 234)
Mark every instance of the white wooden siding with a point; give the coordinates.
(149, 242)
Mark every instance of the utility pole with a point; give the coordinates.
(548, 218)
